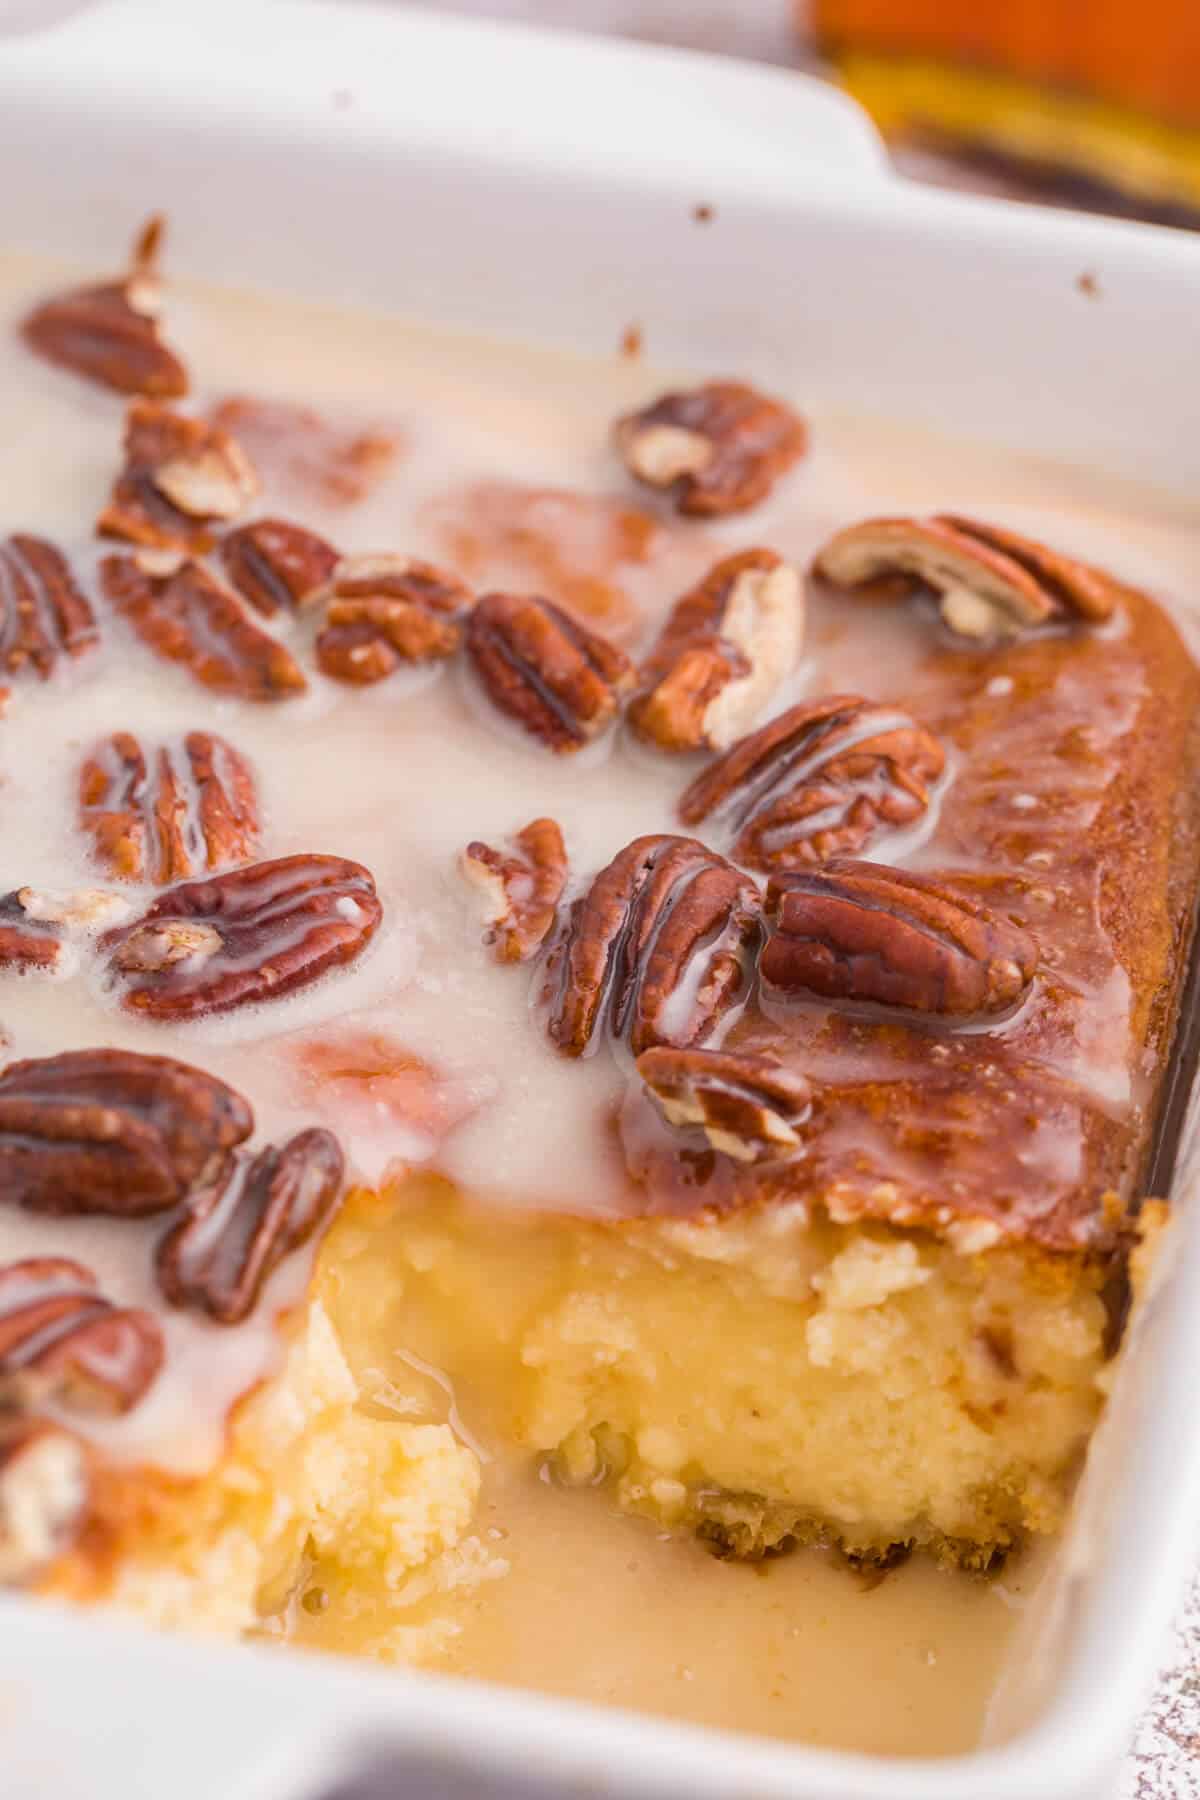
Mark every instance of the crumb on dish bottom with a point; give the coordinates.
(759, 1382)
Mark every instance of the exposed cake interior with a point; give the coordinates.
(760, 1384)
(762, 1380)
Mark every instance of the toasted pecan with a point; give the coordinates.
(865, 933)
(824, 779)
(562, 683)
(719, 448)
(76, 910)
(521, 888)
(36, 926)
(725, 648)
(657, 951)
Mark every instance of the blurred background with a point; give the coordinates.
(1092, 103)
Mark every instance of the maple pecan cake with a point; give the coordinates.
(684, 970)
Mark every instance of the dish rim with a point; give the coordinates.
(1122, 1613)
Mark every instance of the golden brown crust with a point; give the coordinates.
(1073, 812)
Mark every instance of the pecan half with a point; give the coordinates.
(727, 645)
(990, 583)
(657, 950)
(561, 682)
(61, 1340)
(109, 332)
(83, 909)
(824, 779)
(182, 477)
(719, 448)
(111, 1131)
(248, 935)
(241, 1226)
(193, 806)
(862, 932)
(749, 1107)
(187, 616)
(44, 1493)
(44, 615)
(385, 611)
(521, 887)
(276, 566)
(28, 942)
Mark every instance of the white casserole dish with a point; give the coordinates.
(516, 183)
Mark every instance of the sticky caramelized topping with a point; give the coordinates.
(370, 1077)
(185, 808)
(277, 566)
(747, 1106)
(240, 1226)
(385, 612)
(61, 1340)
(865, 933)
(559, 681)
(657, 951)
(186, 616)
(44, 614)
(593, 554)
(521, 888)
(112, 1132)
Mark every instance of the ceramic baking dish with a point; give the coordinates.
(523, 184)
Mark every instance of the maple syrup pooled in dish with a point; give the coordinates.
(575, 1022)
